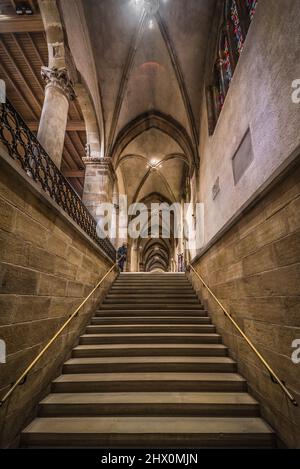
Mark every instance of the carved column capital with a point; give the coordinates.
(89, 159)
(60, 79)
(103, 164)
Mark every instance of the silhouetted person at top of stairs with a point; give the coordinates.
(122, 256)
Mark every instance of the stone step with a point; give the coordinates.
(151, 306)
(149, 364)
(157, 283)
(152, 404)
(167, 338)
(161, 288)
(151, 313)
(150, 295)
(145, 328)
(138, 382)
(127, 350)
(152, 274)
(147, 276)
(153, 278)
(161, 292)
(150, 320)
(151, 289)
(144, 279)
(147, 432)
(153, 299)
(178, 292)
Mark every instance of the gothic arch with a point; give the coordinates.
(159, 121)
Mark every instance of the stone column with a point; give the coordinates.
(115, 222)
(90, 119)
(53, 124)
(134, 257)
(98, 183)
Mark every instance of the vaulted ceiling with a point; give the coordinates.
(150, 68)
(143, 63)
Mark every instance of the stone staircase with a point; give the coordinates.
(150, 371)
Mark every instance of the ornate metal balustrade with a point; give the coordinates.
(24, 148)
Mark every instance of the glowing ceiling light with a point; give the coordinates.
(153, 163)
(151, 6)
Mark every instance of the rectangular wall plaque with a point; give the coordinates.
(243, 157)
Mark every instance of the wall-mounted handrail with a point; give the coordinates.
(24, 375)
(273, 375)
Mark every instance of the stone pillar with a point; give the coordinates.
(91, 125)
(98, 183)
(115, 222)
(134, 261)
(53, 124)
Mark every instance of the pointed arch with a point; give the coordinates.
(155, 120)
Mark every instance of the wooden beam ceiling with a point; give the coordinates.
(72, 126)
(74, 174)
(21, 24)
(22, 55)
(10, 22)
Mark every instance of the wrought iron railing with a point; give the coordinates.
(23, 147)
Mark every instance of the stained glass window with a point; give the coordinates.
(221, 95)
(226, 62)
(224, 71)
(237, 29)
(251, 6)
(237, 16)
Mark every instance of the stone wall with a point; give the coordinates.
(259, 99)
(254, 269)
(48, 266)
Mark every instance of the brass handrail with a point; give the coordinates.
(273, 375)
(24, 375)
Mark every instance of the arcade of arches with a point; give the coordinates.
(161, 102)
